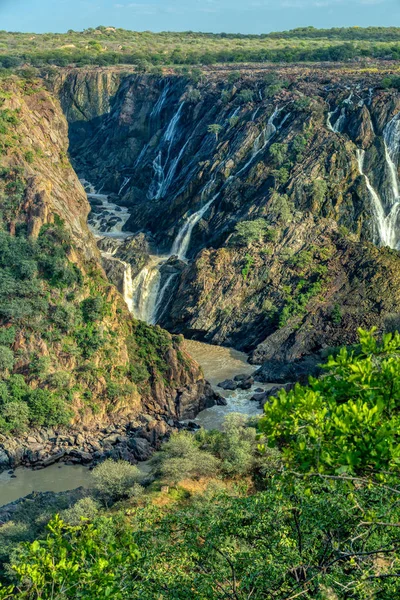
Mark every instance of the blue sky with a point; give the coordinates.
(246, 16)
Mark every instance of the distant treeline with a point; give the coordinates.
(59, 58)
(110, 46)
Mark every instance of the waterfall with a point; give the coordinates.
(146, 286)
(141, 156)
(128, 285)
(170, 132)
(163, 176)
(255, 113)
(160, 102)
(172, 170)
(182, 240)
(264, 137)
(391, 136)
(336, 127)
(157, 314)
(384, 233)
(124, 184)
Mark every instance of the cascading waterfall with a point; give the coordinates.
(387, 212)
(182, 240)
(149, 294)
(391, 136)
(146, 288)
(160, 102)
(163, 171)
(384, 234)
(262, 140)
(141, 156)
(337, 125)
(124, 184)
(128, 289)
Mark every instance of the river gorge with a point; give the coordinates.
(249, 222)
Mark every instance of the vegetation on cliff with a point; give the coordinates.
(111, 46)
(69, 349)
(268, 522)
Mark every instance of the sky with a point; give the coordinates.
(244, 16)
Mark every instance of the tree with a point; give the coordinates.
(181, 457)
(114, 480)
(215, 129)
(346, 421)
(247, 232)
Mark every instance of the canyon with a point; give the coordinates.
(312, 152)
(255, 210)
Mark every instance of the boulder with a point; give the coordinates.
(260, 397)
(4, 460)
(141, 448)
(228, 384)
(246, 384)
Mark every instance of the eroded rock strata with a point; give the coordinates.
(311, 152)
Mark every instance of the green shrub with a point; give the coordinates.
(336, 315)
(181, 458)
(6, 359)
(346, 421)
(249, 261)
(85, 508)
(114, 480)
(247, 232)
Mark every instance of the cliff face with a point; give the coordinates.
(155, 131)
(67, 338)
(35, 145)
(311, 153)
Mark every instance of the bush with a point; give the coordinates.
(6, 359)
(247, 232)
(92, 309)
(114, 480)
(346, 421)
(15, 417)
(181, 458)
(85, 508)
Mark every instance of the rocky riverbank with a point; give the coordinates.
(132, 441)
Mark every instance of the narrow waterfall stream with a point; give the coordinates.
(385, 205)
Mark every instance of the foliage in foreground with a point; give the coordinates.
(318, 538)
(258, 529)
(348, 420)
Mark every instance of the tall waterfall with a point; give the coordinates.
(160, 102)
(146, 288)
(182, 240)
(391, 136)
(163, 170)
(383, 232)
(124, 184)
(128, 289)
(262, 140)
(337, 124)
(149, 290)
(387, 211)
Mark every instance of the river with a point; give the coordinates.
(218, 363)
